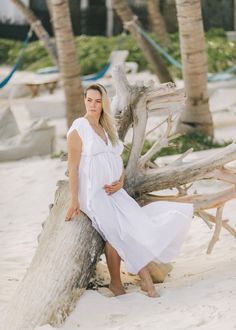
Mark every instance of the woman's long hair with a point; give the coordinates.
(106, 119)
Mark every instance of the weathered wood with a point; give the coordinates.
(145, 180)
(200, 201)
(217, 230)
(211, 218)
(62, 266)
(143, 176)
(130, 107)
(158, 145)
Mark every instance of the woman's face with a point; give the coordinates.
(93, 103)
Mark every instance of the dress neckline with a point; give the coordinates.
(106, 143)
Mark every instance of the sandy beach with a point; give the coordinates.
(200, 292)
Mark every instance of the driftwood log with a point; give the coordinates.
(60, 270)
(131, 107)
(68, 251)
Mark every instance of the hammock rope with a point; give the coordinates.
(227, 74)
(4, 82)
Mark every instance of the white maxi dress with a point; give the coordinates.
(154, 232)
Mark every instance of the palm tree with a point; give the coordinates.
(68, 63)
(157, 21)
(38, 28)
(131, 23)
(196, 115)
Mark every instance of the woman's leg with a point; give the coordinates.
(147, 283)
(113, 263)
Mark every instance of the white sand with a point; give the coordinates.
(199, 293)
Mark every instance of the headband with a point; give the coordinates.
(99, 85)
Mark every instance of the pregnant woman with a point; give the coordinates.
(137, 235)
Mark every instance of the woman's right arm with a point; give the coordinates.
(74, 146)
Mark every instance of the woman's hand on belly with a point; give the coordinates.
(114, 187)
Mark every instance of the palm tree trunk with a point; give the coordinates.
(196, 115)
(39, 30)
(68, 62)
(157, 21)
(151, 55)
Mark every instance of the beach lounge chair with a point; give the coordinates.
(36, 84)
(48, 82)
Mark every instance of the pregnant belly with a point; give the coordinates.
(94, 173)
(106, 168)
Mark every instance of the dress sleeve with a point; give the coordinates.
(78, 126)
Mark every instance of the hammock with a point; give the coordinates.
(227, 74)
(160, 49)
(4, 82)
(98, 75)
(90, 77)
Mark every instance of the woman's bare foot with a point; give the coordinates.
(150, 289)
(117, 289)
(147, 283)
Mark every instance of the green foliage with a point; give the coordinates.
(9, 51)
(35, 53)
(221, 52)
(94, 51)
(197, 141)
(38, 64)
(216, 33)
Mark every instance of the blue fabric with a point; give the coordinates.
(160, 49)
(89, 77)
(227, 74)
(97, 75)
